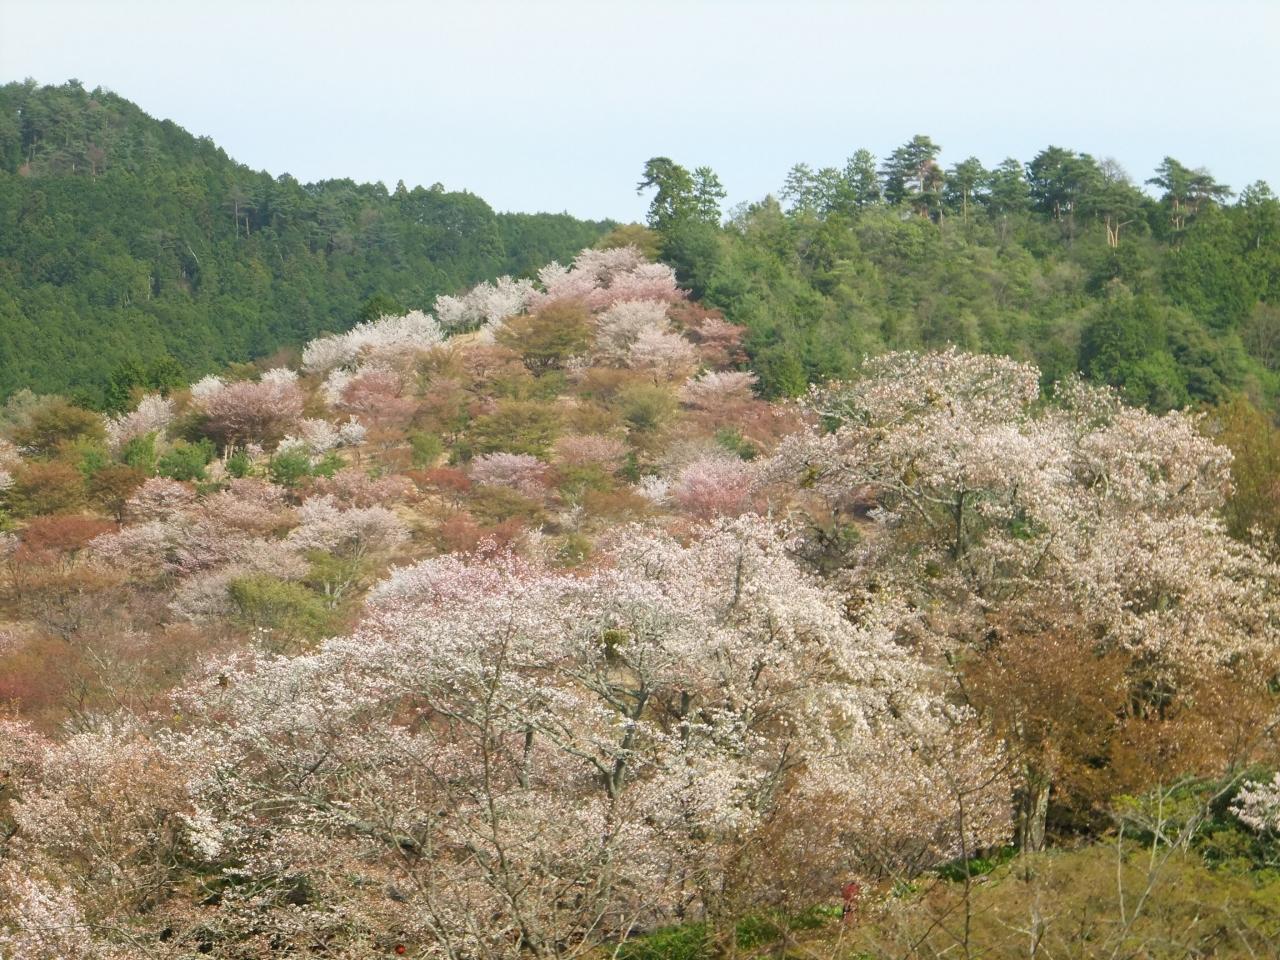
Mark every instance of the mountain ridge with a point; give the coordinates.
(133, 253)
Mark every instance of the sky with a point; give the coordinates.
(555, 105)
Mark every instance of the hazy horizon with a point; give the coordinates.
(556, 106)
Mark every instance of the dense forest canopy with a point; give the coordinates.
(133, 253)
(1171, 293)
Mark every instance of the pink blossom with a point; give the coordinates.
(520, 471)
(252, 410)
(384, 337)
(159, 499)
(592, 449)
(716, 392)
(715, 487)
(153, 414)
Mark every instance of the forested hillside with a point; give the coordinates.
(1171, 293)
(649, 604)
(529, 629)
(133, 253)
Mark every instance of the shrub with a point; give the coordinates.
(496, 504)
(239, 464)
(546, 339)
(328, 465)
(140, 453)
(516, 426)
(426, 448)
(688, 942)
(267, 603)
(646, 408)
(54, 423)
(733, 441)
(289, 467)
(113, 485)
(461, 534)
(186, 461)
(65, 534)
(40, 488)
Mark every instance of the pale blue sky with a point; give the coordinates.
(556, 105)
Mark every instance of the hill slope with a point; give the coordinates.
(1172, 295)
(132, 252)
(529, 627)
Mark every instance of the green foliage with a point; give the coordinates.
(54, 423)
(289, 468)
(328, 465)
(644, 239)
(186, 461)
(134, 376)
(979, 866)
(492, 505)
(549, 337)
(41, 488)
(1254, 442)
(268, 603)
(516, 426)
(239, 465)
(1123, 899)
(1028, 261)
(135, 257)
(691, 941)
(574, 482)
(574, 549)
(737, 444)
(88, 455)
(140, 453)
(426, 448)
(646, 407)
(332, 575)
(378, 306)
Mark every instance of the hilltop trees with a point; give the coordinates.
(1024, 259)
(1186, 191)
(912, 177)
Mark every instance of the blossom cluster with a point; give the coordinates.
(387, 335)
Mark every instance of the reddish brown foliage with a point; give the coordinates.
(462, 534)
(40, 488)
(60, 535)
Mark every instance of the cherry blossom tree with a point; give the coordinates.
(622, 324)
(519, 471)
(355, 487)
(496, 734)
(667, 356)
(484, 306)
(991, 500)
(262, 410)
(386, 336)
(356, 531)
(714, 486)
(152, 415)
(601, 278)
(376, 391)
(717, 392)
(580, 450)
(1258, 805)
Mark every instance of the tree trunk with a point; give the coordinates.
(1032, 810)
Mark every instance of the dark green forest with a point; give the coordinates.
(135, 254)
(1171, 293)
